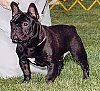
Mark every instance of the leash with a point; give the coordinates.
(42, 41)
(46, 3)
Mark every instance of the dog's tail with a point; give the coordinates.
(73, 26)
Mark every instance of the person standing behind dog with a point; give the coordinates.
(9, 63)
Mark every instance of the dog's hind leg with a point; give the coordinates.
(24, 64)
(60, 65)
(78, 52)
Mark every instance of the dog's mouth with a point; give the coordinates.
(19, 41)
(16, 41)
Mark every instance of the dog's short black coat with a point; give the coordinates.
(47, 44)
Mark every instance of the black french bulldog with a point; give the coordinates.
(46, 44)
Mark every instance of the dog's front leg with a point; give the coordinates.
(52, 72)
(24, 64)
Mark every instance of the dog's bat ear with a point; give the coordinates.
(15, 9)
(32, 10)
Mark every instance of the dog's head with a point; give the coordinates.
(24, 26)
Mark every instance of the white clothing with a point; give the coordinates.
(54, 2)
(9, 63)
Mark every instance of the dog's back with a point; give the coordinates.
(63, 31)
(61, 37)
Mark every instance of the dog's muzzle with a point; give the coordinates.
(16, 40)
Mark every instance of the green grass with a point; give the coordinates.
(88, 27)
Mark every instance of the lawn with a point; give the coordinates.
(88, 27)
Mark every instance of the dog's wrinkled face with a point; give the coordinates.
(23, 25)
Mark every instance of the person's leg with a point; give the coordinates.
(9, 65)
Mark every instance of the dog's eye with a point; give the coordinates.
(25, 24)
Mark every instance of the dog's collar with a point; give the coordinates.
(42, 41)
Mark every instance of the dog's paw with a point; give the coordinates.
(26, 79)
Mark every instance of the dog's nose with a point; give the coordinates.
(15, 37)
